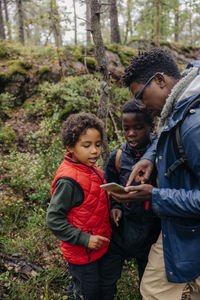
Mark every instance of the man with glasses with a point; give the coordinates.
(174, 260)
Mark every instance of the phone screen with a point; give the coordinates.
(113, 187)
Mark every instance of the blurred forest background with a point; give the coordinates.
(56, 58)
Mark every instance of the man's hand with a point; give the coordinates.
(139, 193)
(141, 171)
(96, 241)
(116, 215)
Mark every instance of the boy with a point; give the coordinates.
(78, 213)
(135, 226)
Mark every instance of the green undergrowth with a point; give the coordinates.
(26, 176)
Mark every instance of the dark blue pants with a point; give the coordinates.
(96, 280)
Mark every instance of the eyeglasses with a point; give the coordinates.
(138, 100)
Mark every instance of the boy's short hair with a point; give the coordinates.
(146, 64)
(131, 107)
(76, 124)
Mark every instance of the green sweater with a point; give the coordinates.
(66, 196)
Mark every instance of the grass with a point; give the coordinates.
(23, 231)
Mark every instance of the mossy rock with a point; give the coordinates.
(8, 50)
(16, 67)
(91, 62)
(44, 70)
(78, 54)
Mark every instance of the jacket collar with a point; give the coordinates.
(185, 88)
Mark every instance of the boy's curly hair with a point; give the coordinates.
(76, 124)
(131, 107)
(146, 64)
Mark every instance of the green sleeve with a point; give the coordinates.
(66, 195)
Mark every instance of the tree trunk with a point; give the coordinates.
(55, 24)
(88, 23)
(75, 23)
(129, 27)
(176, 22)
(157, 40)
(20, 21)
(104, 75)
(114, 25)
(190, 24)
(7, 20)
(2, 30)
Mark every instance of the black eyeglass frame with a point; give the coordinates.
(139, 101)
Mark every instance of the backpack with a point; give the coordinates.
(119, 152)
(177, 143)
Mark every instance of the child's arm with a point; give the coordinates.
(66, 196)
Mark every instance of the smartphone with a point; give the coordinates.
(113, 187)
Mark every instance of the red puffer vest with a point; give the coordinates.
(92, 216)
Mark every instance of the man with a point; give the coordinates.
(174, 260)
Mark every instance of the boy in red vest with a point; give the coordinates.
(78, 213)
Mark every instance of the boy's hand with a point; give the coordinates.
(96, 241)
(116, 215)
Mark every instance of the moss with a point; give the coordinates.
(78, 54)
(8, 50)
(13, 69)
(43, 70)
(125, 55)
(166, 43)
(65, 112)
(113, 47)
(91, 62)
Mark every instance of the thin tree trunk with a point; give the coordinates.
(20, 21)
(190, 24)
(129, 27)
(104, 75)
(2, 30)
(7, 20)
(157, 40)
(88, 23)
(75, 23)
(54, 16)
(114, 25)
(176, 22)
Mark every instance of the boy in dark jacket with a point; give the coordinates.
(135, 227)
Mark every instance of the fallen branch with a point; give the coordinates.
(17, 264)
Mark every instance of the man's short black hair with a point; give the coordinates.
(76, 124)
(131, 107)
(146, 64)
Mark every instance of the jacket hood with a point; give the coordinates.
(187, 86)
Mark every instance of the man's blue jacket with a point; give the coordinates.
(177, 199)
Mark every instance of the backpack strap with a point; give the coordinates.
(177, 142)
(119, 152)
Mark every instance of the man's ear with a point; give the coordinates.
(160, 79)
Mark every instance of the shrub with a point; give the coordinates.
(8, 50)
(8, 137)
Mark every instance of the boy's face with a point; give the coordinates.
(88, 147)
(136, 130)
(154, 94)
